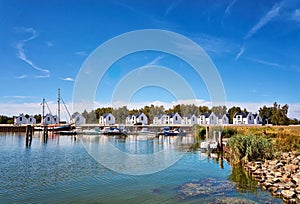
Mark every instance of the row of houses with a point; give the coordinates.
(162, 119)
(48, 119)
(191, 119)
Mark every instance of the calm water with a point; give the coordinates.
(62, 171)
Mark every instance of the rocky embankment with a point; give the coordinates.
(281, 176)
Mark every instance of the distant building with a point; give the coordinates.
(257, 119)
(173, 118)
(189, 119)
(50, 119)
(243, 118)
(158, 119)
(223, 119)
(78, 119)
(19, 120)
(31, 120)
(107, 119)
(134, 119)
(207, 119)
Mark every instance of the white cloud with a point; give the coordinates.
(296, 15)
(49, 43)
(21, 51)
(154, 61)
(266, 63)
(68, 79)
(264, 20)
(228, 8)
(242, 50)
(21, 76)
(81, 53)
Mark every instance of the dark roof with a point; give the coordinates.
(244, 115)
(105, 115)
(205, 114)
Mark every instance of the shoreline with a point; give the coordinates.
(279, 176)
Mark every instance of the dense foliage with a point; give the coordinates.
(249, 148)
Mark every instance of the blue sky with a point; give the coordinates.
(255, 46)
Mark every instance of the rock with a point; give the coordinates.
(279, 165)
(297, 190)
(278, 174)
(288, 193)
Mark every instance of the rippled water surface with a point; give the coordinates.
(62, 170)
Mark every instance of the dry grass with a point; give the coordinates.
(284, 138)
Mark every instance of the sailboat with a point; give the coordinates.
(55, 125)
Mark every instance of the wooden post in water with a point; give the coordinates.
(220, 140)
(45, 134)
(207, 133)
(28, 135)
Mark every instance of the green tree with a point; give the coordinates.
(219, 110)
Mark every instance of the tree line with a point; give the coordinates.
(276, 114)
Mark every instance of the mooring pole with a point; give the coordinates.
(207, 133)
(28, 135)
(220, 140)
(45, 134)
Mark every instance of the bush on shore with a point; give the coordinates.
(249, 148)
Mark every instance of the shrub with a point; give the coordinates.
(249, 148)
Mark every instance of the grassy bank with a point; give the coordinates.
(282, 138)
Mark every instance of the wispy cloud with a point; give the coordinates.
(154, 61)
(172, 6)
(67, 79)
(228, 8)
(264, 20)
(21, 51)
(81, 53)
(266, 63)
(239, 54)
(49, 43)
(296, 15)
(21, 76)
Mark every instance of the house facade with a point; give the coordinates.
(243, 118)
(257, 119)
(173, 118)
(50, 119)
(223, 119)
(207, 119)
(31, 120)
(107, 119)
(139, 118)
(21, 119)
(78, 119)
(189, 119)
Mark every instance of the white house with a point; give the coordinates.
(107, 119)
(207, 119)
(50, 119)
(174, 118)
(139, 118)
(223, 119)
(21, 119)
(189, 119)
(78, 119)
(31, 120)
(158, 119)
(257, 119)
(243, 118)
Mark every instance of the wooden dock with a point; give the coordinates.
(12, 128)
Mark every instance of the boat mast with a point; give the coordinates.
(43, 111)
(58, 105)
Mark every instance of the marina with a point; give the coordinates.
(62, 170)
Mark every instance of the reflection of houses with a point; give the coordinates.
(257, 119)
(189, 119)
(50, 119)
(207, 119)
(243, 118)
(78, 119)
(107, 119)
(139, 118)
(223, 119)
(21, 119)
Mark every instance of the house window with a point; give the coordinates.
(176, 118)
(48, 118)
(20, 118)
(109, 118)
(142, 117)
